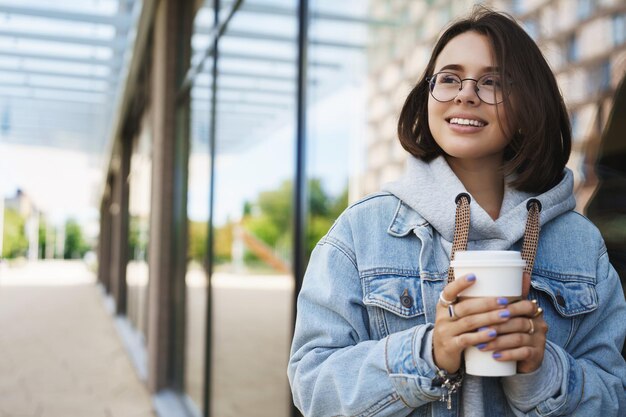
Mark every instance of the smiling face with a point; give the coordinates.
(467, 128)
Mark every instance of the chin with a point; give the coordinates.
(473, 155)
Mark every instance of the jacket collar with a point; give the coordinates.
(405, 220)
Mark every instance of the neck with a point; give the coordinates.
(483, 179)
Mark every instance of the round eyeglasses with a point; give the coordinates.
(445, 86)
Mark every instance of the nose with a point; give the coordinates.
(467, 93)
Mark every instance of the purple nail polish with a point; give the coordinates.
(482, 329)
(504, 314)
(496, 355)
(503, 301)
(481, 346)
(492, 333)
(471, 277)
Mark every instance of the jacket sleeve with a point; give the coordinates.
(334, 367)
(591, 372)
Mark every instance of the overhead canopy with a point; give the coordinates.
(61, 66)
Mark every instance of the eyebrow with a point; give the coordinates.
(457, 67)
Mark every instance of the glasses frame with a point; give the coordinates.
(431, 87)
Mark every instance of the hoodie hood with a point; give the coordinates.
(430, 188)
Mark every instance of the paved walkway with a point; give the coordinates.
(60, 354)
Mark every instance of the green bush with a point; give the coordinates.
(15, 243)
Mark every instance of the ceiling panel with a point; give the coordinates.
(60, 69)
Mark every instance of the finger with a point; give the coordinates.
(477, 338)
(484, 335)
(514, 325)
(473, 305)
(518, 354)
(476, 321)
(452, 290)
(526, 308)
(509, 341)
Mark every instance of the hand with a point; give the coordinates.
(452, 335)
(515, 341)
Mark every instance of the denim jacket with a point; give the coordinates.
(362, 348)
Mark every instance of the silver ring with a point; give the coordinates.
(445, 302)
(532, 327)
(451, 311)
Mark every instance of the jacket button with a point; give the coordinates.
(406, 300)
(560, 300)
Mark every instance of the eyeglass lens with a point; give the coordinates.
(445, 86)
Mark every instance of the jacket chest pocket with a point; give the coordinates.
(394, 302)
(565, 301)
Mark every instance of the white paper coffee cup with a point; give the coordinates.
(498, 274)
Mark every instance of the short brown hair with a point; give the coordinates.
(541, 144)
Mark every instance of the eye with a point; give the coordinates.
(490, 81)
(446, 78)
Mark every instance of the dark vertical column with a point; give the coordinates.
(114, 212)
(167, 246)
(210, 237)
(182, 39)
(119, 227)
(104, 240)
(300, 194)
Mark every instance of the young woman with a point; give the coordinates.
(380, 330)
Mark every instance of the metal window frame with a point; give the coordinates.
(300, 206)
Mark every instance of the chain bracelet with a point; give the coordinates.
(450, 384)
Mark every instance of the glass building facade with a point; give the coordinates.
(257, 123)
(139, 183)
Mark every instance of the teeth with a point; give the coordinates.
(466, 122)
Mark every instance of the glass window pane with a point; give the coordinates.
(140, 182)
(198, 189)
(336, 112)
(252, 284)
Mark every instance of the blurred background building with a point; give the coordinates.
(220, 140)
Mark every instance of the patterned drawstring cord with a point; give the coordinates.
(452, 383)
(462, 224)
(531, 234)
(461, 228)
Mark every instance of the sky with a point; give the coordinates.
(62, 183)
(65, 183)
(334, 122)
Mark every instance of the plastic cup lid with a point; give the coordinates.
(488, 258)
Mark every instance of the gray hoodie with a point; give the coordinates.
(430, 189)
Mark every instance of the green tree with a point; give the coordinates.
(274, 217)
(319, 201)
(15, 243)
(263, 227)
(75, 246)
(197, 240)
(224, 242)
(318, 226)
(272, 221)
(42, 237)
(277, 205)
(138, 238)
(339, 204)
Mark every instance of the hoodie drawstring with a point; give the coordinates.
(461, 228)
(531, 234)
(462, 224)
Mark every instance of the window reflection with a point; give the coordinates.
(336, 112)
(140, 179)
(363, 61)
(252, 284)
(196, 279)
